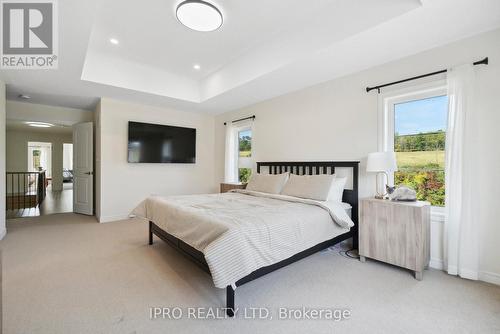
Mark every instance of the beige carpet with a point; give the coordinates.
(67, 274)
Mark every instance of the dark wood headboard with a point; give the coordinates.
(320, 167)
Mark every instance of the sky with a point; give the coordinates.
(427, 115)
(246, 133)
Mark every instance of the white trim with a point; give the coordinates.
(489, 277)
(436, 264)
(3, 233)
(438, 214)
(463, 273)
(109, 219)
(484, 276)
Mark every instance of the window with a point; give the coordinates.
(244, 154)
(238, 152)
(415, 128)
(40, 157)
(67, 156)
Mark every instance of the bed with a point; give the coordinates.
(239, 236)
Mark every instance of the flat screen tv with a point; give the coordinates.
(154, 143)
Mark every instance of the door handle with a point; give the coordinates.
(89, 173)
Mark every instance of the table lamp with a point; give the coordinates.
(381, 162)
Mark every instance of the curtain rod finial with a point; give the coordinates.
(484, 61)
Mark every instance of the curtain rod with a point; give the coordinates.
(368, 89)
(242, 119)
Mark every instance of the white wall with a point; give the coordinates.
(120, 185)
(23, 111)
(337, 120)
(2, 160)
(97, 160)
(68, 156)
(19, 134)
(17, 152)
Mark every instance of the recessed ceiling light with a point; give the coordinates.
(197, 67)
(114, 41)
(24, 97)
(40, 124)
(199, 15)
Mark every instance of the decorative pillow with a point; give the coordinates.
(337, 189)
(314, 187)
(267, 183)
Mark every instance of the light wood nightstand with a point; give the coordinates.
(226, 186)
(395, 232)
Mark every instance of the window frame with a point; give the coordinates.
(237, 131)
(386, 127)
(44, 148)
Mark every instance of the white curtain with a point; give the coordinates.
(461, 245)
(231, 161)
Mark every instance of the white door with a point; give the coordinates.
(83, 168)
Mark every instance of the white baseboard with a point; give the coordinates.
(436, 264)
(109, 219)
(3, 233)
(489, 277)
(484, 276)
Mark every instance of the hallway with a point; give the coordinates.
(54, 202)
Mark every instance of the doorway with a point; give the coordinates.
(45, 185)
(67, 166)
(59, 197)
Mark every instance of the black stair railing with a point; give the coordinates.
(25, 189)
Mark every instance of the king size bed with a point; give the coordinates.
(239, 236)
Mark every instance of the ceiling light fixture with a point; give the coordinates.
(114, 41)
(197, 67)
(199, 15)
(24, 96)
(40, 124)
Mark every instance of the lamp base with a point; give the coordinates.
(379, 195)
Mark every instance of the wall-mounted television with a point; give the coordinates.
(154, 143)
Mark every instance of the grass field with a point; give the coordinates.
(420, 159)
(245, 154)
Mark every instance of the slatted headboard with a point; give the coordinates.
(320, 167)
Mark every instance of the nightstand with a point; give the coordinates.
(226, 186)
(395, 232)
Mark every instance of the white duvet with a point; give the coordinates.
(241, 231)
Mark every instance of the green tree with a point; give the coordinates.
(244, 174)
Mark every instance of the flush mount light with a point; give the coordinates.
(40, 124)
(114, 41)
(197, 67)
(24, 97)
(199, 15)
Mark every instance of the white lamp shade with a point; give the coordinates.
(381, 162)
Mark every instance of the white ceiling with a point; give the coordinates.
(264, 49)
(16, 125)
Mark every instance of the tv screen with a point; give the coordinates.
(153, 143)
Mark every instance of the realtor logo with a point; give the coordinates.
(29, 34)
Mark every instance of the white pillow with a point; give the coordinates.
(309, 186)
(337, 189)
(267, 183)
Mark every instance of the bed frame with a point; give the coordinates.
(301, 168)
